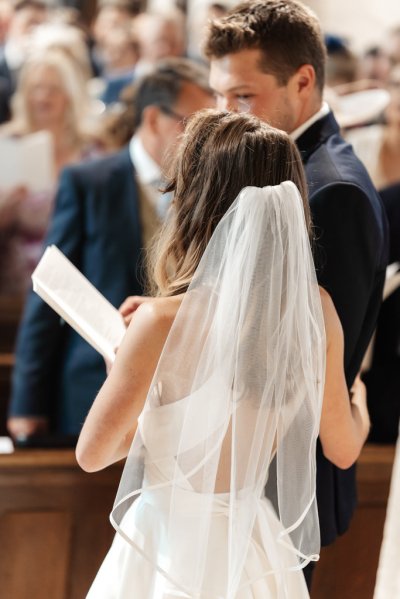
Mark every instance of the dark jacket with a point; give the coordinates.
(350, 251)
(96, 225)
(383, 377)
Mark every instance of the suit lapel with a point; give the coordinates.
(316, 135)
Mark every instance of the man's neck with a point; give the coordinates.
(150, 148)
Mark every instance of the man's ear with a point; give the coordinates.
(150, 119)
(304, 80)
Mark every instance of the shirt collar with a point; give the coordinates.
(323, 111)
(147, 170)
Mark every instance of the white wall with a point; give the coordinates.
(363, 22)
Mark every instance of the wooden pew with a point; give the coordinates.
(54, 526)
(6, 366)
(10, 314)
(54, 529)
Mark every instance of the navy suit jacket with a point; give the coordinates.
(96, 225)
(350, 249)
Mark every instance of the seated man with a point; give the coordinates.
(106, 212)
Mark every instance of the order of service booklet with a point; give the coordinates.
(60, 284)
(27, 161)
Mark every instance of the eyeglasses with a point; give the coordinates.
(175, 115)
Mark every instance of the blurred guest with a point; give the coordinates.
(111, 16)
(160, 35)
(121, 53)
(106, 213)
(375, 65)
(50, 97)
(392, 45)
(378, 146)
(67, 38)
(6, 12)
(153, 37)
(341, 63)
(199, 14)
(27, 15)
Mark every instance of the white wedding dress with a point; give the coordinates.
(238, 385)
(127, 574)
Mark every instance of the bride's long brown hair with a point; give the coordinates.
(220, 154)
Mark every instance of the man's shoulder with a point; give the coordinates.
(333, 162)
(100, 170)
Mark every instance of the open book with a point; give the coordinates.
(27, 161)
(60, 284)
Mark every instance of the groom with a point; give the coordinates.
(267, 57)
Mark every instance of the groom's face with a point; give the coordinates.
(241, 85)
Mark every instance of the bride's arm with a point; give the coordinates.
(109, 428)
(344, 422)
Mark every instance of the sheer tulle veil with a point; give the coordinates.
(238, 385)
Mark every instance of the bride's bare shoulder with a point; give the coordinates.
(158, 311)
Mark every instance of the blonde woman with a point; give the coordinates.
(51, 96)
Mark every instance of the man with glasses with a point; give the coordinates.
(106, 213)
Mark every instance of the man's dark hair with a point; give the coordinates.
(286, 32)
(162, 86)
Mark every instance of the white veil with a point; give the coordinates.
(239, 382)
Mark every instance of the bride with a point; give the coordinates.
(237, 363)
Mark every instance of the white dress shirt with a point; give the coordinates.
(323, 111)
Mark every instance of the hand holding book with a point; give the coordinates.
(60, 284)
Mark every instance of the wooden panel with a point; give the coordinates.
(10, 313)
(347, 569)
(35, 550)
(93, 536)
(6, 365)
(54, 528)
(55, 519)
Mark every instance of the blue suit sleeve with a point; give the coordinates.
(41, 333)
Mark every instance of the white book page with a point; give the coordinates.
(27, 161)
(60, 284)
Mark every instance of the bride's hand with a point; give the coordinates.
(127, 309)
(130, 305)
